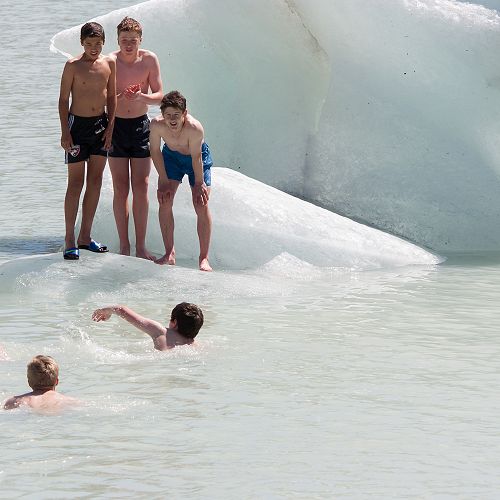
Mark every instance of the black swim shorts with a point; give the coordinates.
(87, 134)
(130, 138)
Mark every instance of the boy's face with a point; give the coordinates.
(92, 46)
(129, 41)
(174, 118)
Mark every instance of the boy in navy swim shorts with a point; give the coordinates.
(185, 152)
(86, 132)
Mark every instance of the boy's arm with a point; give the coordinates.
(110, 104)
(154, 329)
(200, 191)
(155, 83)
(164, 186)
(64, 94)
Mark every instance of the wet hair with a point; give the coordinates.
(92, 30)
(173, 99)
(189, 319)
(129, 24)
(42, 372)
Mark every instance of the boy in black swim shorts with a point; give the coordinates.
(86, 132)
(137, 73)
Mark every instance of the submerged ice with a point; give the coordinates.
(384, 111)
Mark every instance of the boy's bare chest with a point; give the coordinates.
(92, 76)
(177, 143)
(131, 74)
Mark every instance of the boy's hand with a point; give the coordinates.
(133, 92)
(66, 142)
(102, 314)
(107, 137)
(200, 194)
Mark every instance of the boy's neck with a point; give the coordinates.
(39, 392)
(89, 59)
(175, 338)
(129, 58)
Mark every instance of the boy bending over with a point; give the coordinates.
(185, 322)
(184, 152)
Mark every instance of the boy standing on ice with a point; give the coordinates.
(137, 72)
(184, 152)
(86, 132)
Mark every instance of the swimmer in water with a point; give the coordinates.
(43, 377)
(185, 322)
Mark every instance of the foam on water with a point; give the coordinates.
(383, 111)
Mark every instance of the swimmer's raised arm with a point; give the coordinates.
(153, 328)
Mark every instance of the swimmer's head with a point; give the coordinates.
(187, 319)
(43, 373)
(92, 30)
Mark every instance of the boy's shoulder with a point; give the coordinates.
(157, 122)
(16, 401)
(72, 62)
(193, 124)
(49, 401)
(147, 54)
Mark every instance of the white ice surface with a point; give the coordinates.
(384, 111)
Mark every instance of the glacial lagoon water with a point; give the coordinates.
(374, 377)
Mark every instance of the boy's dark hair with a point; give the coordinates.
(189, 319)
(92, 30)
(129, 24)
(173, 99)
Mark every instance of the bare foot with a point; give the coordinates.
(143, 253)
(125, 249)
(204, 265)
(166, 259)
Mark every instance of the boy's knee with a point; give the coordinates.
(75, 186)
(121, 190)
(140, 188)
(94, 179)
(200, 209)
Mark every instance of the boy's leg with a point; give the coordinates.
(204, 228)
(95, 168)
(76, 177)
(121, 186)
(140, 169)
(166, 217)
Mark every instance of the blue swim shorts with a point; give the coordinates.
(177, 165)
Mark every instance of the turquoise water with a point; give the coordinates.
(305, 383)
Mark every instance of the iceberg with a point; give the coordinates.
(262, 238)
(256, 225)
(382, 111)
